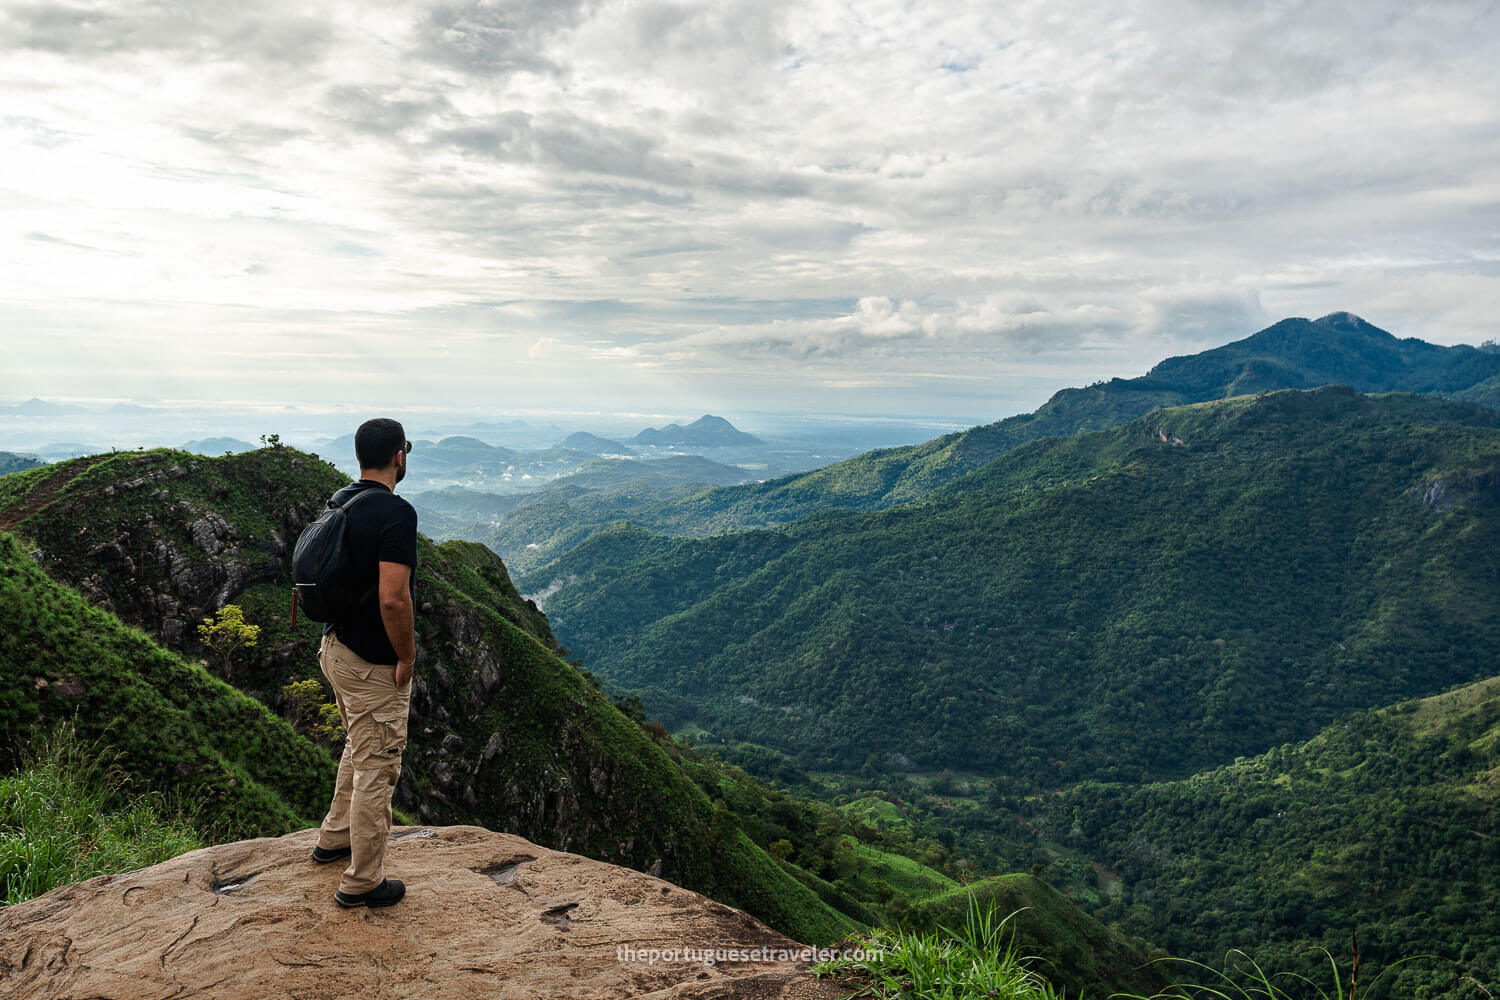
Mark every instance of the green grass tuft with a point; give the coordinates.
(978, 960)
(67, 815)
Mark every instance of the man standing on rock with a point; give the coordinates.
(367, 658)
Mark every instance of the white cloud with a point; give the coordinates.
(829, 193)
(1003, 327)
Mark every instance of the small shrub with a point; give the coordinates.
(311, 714)
(227, 633)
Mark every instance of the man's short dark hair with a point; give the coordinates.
(377, 441)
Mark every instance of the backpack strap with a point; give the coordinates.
(347, 506)
(351, 501)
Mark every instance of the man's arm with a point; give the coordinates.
(399, 616)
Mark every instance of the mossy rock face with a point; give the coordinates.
(1077, 953)
(504, 733)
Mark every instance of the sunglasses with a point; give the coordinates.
(408, 447)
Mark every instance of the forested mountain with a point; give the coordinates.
(1486, 393)
(1131, 604)
(1089, 629)
(1385, 824)
(10, 462)
(1338, 349)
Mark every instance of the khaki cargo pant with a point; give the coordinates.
(374, 711)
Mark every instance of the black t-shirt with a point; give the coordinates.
(380, 528)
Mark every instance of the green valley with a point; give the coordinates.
(1130, 604)
(107, 563)
(1045, 660)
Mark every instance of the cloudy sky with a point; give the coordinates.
(870, 207)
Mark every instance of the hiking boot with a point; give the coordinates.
(387, 892)
(323, 855)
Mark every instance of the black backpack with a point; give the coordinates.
(320, 566)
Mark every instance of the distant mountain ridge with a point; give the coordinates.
(11, 462)
(35, 407)
(531, 529)
(217, 446)
(1293, 354)
(1337, 349)
(707, 431)
(593, 444)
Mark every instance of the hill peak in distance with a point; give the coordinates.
(593, 444)
(708, 431)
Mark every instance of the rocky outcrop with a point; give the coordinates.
(1447, 492)
(503, 732)
(486, 915)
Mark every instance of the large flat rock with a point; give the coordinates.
(486, 915)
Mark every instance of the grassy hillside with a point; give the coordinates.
(1130, 604)
(504, 733)
(1385, 822)
(178, 729)
(70, 813)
